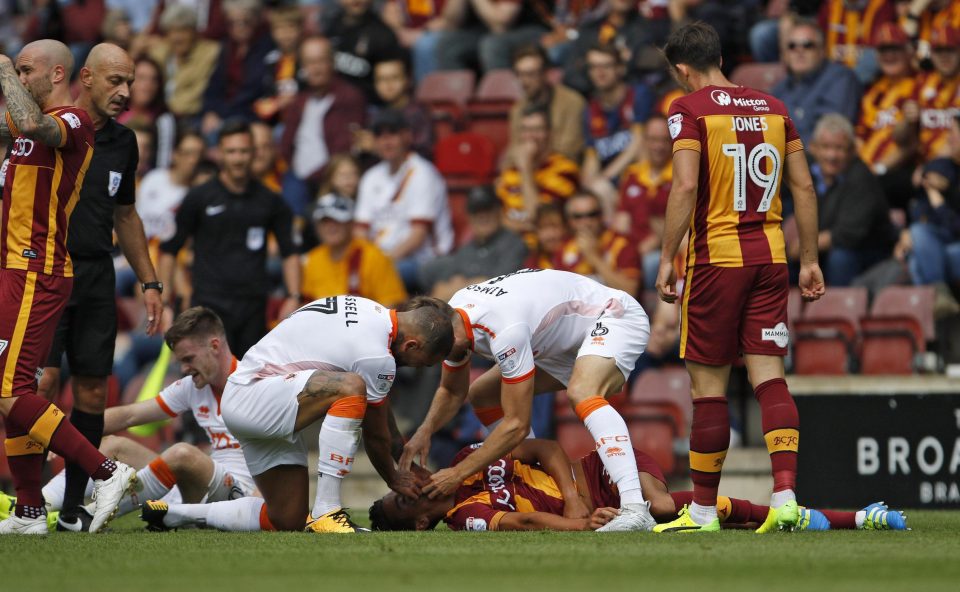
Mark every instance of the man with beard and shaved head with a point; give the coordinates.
(50, 153)
(88, 329)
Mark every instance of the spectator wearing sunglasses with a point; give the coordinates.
(595, 250)
(814, 86)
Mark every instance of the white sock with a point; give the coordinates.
(239, 515)
(339, 440)
(702, 514)
(781, 497)
(859, 518)
(148, 487)
(616, 451)
(489, 428)
(54, 490)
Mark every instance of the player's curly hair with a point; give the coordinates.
(379, 520)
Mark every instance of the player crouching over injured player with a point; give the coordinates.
(181, 472)
(332, 360)
(537, 487)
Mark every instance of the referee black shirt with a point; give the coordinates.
(110, 181)
(229, 232)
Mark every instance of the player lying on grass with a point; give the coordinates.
(538, 488)
(198, 342)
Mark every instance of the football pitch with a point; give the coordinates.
(925, 559)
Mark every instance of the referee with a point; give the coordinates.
(88, 328)
(229, 219)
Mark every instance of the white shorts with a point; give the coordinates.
(262, 416)
(621, 335)
(231, 478)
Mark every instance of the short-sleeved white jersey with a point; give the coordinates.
(389, 202)
(183, 395)
(340, 333)
(532, 314)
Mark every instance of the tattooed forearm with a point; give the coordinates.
(4, 129)
(24, 111)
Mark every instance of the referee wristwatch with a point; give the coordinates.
(158, 286)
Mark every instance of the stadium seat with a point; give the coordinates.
(762, 77)
(898, 328)
(446, 93)
(497, 88)
(826, 336)
(666, 386)
(466, 158)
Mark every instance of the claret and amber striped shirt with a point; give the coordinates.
(743, 137)
(41, 186)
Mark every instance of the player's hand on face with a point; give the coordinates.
(601, 516)
(667, 282)
(443, 482)
(575, 508)
(812, 286)
(154, 307)
(406, 484)
(416, 449)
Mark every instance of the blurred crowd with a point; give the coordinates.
(330, 90)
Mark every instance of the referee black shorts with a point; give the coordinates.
(88, 328)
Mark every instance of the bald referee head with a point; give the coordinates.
(105, 82)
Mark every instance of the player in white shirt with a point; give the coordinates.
(402, 201)
(547, 331)
(182, 471)
(334, 359)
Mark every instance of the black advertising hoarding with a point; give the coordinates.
(858, 449)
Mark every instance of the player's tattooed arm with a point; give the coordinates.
(4, 128)
(24, 111)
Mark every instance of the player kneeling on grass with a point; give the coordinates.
(198, 341)
(537, 487)
(333, 359)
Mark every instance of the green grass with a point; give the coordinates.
(924, 560)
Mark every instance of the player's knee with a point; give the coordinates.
(180, 456)
(286, 518)
(112, 446)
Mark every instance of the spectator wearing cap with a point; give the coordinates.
(360, 39)
(596, 251)
(814, 86)
(883, 143)
(854, 218)
(535, 174)
(931, 246)
(493, 250)
(402, 201)
(564, 105)
(242, 74)
(319, 122)
(345, 264)
(938, 93)
(187, 60)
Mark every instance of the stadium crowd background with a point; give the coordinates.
(423, 145)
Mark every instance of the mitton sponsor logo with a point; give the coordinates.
(724, 99)
(779, 335)
(476, 523)
(615, 451)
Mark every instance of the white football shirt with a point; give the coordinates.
(340, 333)
(533, 314)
